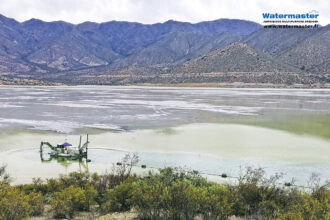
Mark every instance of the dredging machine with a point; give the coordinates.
(66, 150)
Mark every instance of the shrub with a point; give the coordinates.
(35, 201)
(13, 204)
(256, 194)
(79, 179)
(90, 195)
(150, 198)
(124, 170)
(308, 208)
(183, 200)
(104, 183)
(54, 185)
(170, 175)
(38, 186)
(322, 194)
(118, 199)
(291, 215)
(119, 174)
(216, 202)
(72, 199)
(172, 194)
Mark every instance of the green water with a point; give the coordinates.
(317, 124)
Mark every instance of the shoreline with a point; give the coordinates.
(183, 85)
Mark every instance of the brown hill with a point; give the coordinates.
(236, 57)
(311, 54)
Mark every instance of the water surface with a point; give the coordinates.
(210, 130)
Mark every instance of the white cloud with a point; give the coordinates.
(153, 11)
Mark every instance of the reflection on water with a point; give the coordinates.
(210, 130)
(65, 163)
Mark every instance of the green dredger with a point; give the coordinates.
(66, 150)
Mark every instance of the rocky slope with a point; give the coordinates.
(237, 57)
(311, 54)
(128, 53)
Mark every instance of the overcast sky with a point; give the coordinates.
(153, 11)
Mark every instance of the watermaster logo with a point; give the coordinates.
(291, 20)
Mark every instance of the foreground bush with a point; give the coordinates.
(35, 201)
(180, 195)
(216, 202)
(72, 199)
(169, 194)
(13, 204)
(150, 197)
(67, 201)
(118, 199)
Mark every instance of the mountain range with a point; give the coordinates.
(120, 53)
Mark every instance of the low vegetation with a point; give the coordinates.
(169, 194)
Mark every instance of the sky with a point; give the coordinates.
(154, 11)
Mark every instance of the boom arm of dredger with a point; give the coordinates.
(48, 144)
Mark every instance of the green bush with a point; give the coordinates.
(216, 202)
(180, 195)
(13, 204)
(120, 173)
(53, 185)
(150, 197)
(309, 208)
(90, 195)
(183, 200)
(72, 199)
(106, 182)
(118, 199)
(79, 179)
(38, 186)
(170, 194)
(35, 201)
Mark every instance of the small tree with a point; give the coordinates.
(253, 189)
(119, 174)
(124, 169)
